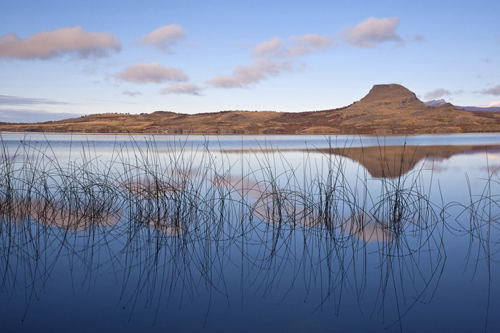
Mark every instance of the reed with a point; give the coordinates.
(170, 219)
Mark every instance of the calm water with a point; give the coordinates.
(269, 233)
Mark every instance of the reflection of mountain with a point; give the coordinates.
(395, 161)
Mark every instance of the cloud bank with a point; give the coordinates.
(309, 43)
(295, 46)
(493, 104)
(164, 37)
(272, 46)
(417, 38)
(15, 100)
(373, 31)
(495, 91)
(437, 93)
(32, 116)
(131, 93)
(151, 73)
(244, 76)
(186, 88)
(271, 58)
(50, 44)
(277, 55)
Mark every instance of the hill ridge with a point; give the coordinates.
(386, 109)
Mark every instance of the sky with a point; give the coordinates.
(61, 59)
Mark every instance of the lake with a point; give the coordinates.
(243, 233)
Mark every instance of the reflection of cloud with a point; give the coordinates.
(147, 188)
(53, 215)
(368, 229)
(435, 165)
(169, 229)
(152, 72)
(373, 31)
(493, 156)
(492, 169)
(289, 210)
(293, 212)
(437, 93)
(164, 37)
(182, 88)
(50, 44)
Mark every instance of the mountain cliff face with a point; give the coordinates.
(386, 109)
(391, 94)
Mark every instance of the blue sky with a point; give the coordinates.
(60, 58)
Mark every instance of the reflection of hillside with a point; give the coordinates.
(386, 161)
(395, 161)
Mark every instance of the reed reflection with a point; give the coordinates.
(174, 228)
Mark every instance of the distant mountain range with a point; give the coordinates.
(437, 102)
(386, 109)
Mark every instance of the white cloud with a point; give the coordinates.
(495, 91)
(182, 88)
(295, 46)
(309, 43)
(437, 93)
(493, 104)
(131, 93)
(313, 40)
(272, 58)
(417, 38)
(373, 31)
(163, 37)
(244, 76)
(151, 72)
(272, 46)
(50, 44)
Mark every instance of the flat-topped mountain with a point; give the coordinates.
(386, 109)
(388, 94)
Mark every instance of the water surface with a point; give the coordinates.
(243, 233)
